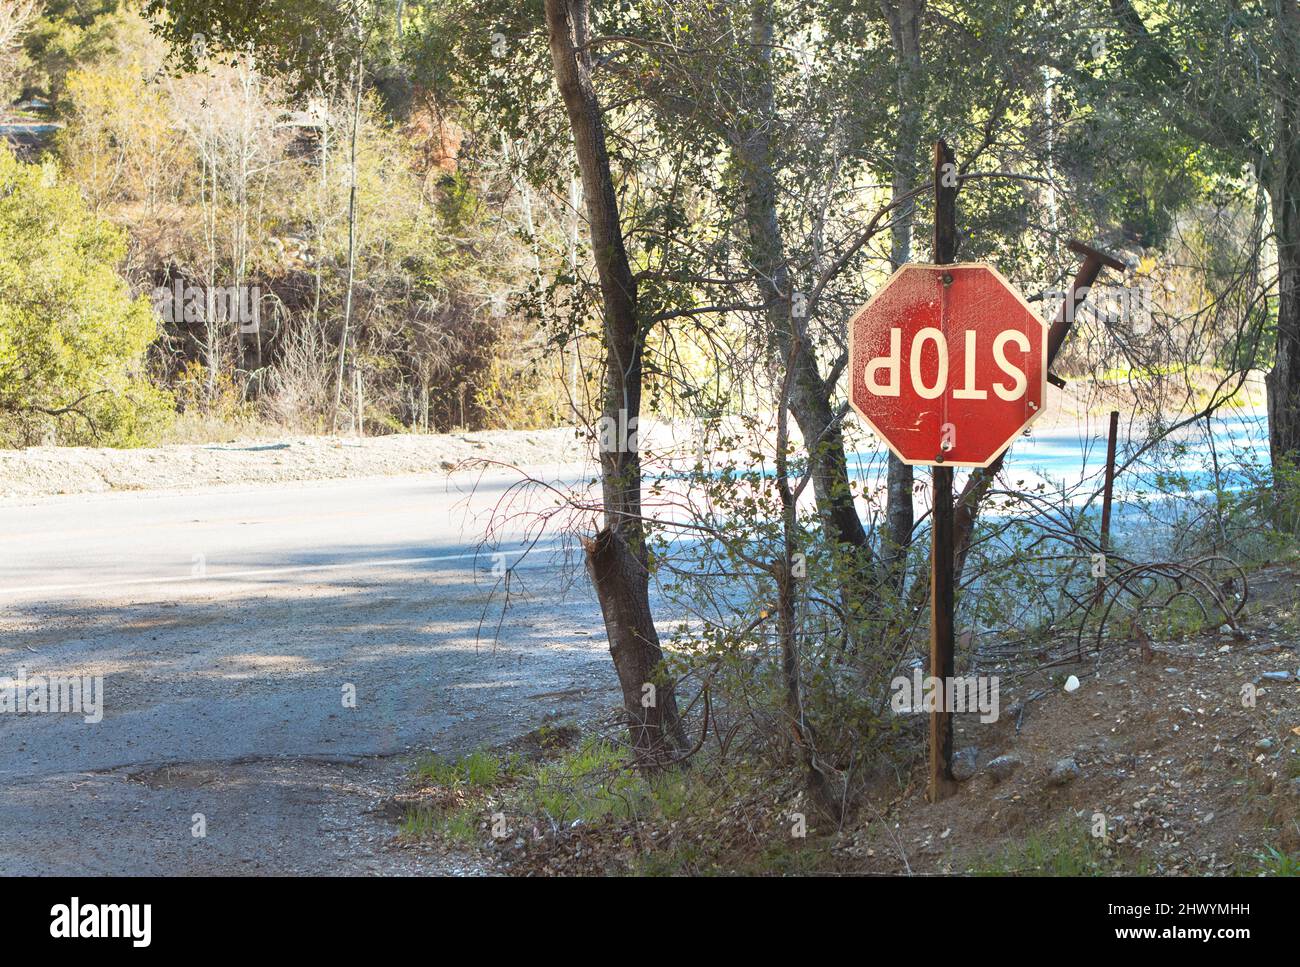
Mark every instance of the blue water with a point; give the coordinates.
(1160, 500)
(1074, 460)
(1164, 509)
(28, 127)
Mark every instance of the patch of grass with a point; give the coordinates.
(462, 791)
(195, 428)
(591, 812)
(1182, 616)
(1058, 851)
(458, 826)
(676, 795)
(594, 782)
(478, 770)
(706, 820)
(419, 823)
(598, 814)
(1127, 373)
(436, 769)
(1273, 862)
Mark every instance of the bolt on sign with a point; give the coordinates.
(948, 364)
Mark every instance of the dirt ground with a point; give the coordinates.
(1172, 774)
(1185, 777)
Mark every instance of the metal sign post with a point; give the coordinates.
(942, 654)
(947, 365)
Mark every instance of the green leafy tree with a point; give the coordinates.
(1226, 75)
(72, 337)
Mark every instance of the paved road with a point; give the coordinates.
(228, 625)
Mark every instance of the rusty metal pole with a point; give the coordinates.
(942, 659)
(1093, 262)
(1105, 515)
(1110, 481)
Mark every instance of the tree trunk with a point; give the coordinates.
(809, 395)
(616, 558)
(1283, 381)
(618, 573)
(904, 19)
(352, 240)
(805, 736)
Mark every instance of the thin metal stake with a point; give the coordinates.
(1110, 481)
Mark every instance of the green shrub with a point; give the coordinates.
(72, 338)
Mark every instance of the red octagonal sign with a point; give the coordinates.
(948, 364)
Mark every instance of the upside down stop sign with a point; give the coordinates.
(948, 364)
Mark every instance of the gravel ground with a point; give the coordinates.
(223, 687)
(41, 471)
